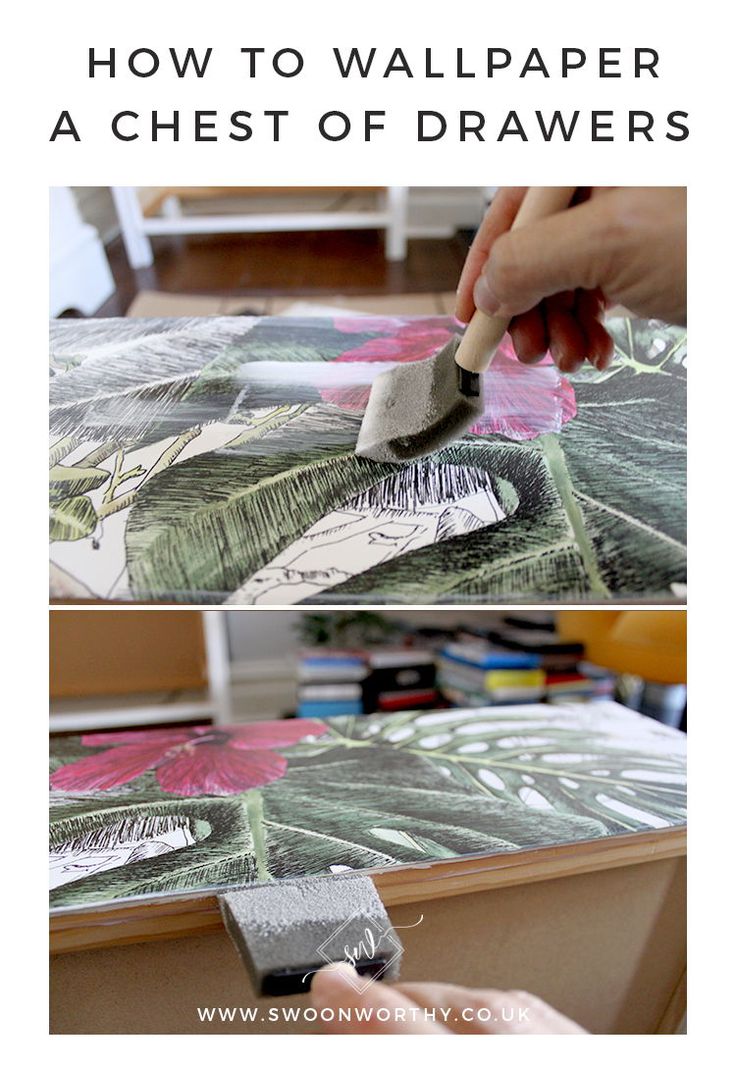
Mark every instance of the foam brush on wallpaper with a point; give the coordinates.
(212, 461)
(175, 811)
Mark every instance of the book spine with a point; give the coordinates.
(325, 709)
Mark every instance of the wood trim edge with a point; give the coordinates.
(123, 924)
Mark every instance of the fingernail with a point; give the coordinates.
(341, 970)
(340, 966)
(484, 297)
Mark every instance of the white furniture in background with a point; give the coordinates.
(215, 702)
(137, 228)
(80, 276)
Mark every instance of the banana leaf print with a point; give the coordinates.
(354, 793)
(212, 461)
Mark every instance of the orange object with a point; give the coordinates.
(650, 644)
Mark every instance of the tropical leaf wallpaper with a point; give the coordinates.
(180, 810)
(211, 461)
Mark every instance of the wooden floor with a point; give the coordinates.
(297, 264)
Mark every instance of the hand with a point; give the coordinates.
(429, 1008)
(555, 277)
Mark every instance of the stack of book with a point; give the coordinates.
(586, 682)
(400, 678)
(568, 676)
(475, 674)
(331, 683)
(553, 654)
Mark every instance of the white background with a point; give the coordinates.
(44, 69)
(302, 156)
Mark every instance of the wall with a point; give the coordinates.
(96, 207)
(270, 636)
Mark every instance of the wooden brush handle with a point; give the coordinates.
(484, 333)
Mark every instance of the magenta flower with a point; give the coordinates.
(199, 761)
(521, 403)
(399, 341)
(403, 340)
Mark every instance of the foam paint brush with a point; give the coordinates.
(416, 408)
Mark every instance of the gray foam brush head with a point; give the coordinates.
(418, 407)
(285, 931)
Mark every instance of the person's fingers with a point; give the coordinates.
(497, 220)
(377, 1009)
(590, 312)
(571, 325)
(565, 251)
(489, 1011)
(464, 1011)
(529, 335)
(567, 342)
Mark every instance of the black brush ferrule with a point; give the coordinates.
(468, 382)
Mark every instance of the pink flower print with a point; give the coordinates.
(200, 761)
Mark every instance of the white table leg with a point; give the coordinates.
(137, 245)
(171, 208)
(397, 197)
(218, 665)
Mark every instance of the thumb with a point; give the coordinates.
(349, 1005)
(569, 250)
